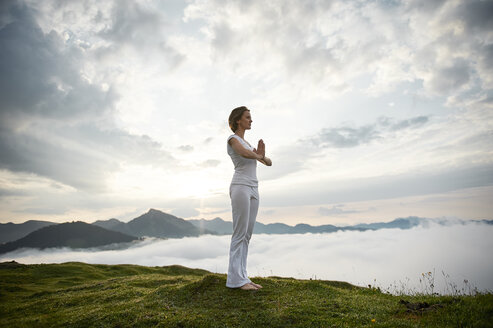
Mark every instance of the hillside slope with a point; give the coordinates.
(84, 295)
(71, 234)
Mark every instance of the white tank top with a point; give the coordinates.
(245, 168)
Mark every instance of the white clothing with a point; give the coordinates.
(245, 202)
(245, 168)
(243, 192)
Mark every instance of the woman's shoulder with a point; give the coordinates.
(242, 141)
(233, 136)
(237, 137)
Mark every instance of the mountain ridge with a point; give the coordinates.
(12, 231)
(75, 234)
(225, 227)
(155, 223)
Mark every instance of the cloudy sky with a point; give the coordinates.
(370, 110)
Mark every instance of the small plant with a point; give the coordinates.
(427, 286)
(428, 281)
(453, 289)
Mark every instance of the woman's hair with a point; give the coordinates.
(235, 116)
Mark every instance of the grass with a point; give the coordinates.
(84, 295)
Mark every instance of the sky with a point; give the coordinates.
(370, 110)
(397, 261)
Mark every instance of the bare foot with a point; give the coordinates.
(257, 285)
(248, 286)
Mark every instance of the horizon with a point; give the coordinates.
(450, 219)
(370, 111)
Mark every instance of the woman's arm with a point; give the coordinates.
(266, 161)
(255, 154)
(242, 151)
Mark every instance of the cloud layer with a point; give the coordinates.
(390, 258)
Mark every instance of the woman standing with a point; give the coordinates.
(243, 192)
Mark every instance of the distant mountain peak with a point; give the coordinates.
(154, 211)
(156, 223)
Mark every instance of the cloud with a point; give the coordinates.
(345, 137)
(40, 77)
(486, 66)
(56, 122)
(141, 27)
(449, 58)
(439, 180)
(324, 45)
(383, 129)
(429, 6)
(414, 122)
(210, 163)
(447, 79)
(186, 148)
(335, 210)
(477, 15)
(385, 258)
(348, 137)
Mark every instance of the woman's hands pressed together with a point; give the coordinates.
(261, 151)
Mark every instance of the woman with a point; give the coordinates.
(243, 192)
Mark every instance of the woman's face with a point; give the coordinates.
(246, 120)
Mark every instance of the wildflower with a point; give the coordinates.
(373, 320)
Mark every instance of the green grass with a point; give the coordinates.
(84, 295)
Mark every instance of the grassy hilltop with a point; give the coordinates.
(83, 295)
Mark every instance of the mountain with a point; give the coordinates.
(400, 223)
(154, 223)
(221, 227)
(115, 225)
(226, 227)
(71, 234)
(13, 231)
(278, 228)
(216, 225)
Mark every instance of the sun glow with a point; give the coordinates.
(147, 181)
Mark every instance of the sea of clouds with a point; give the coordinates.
(392, 259)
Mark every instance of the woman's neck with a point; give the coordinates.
(240, 132)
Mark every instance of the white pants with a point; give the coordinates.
(244, 201)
